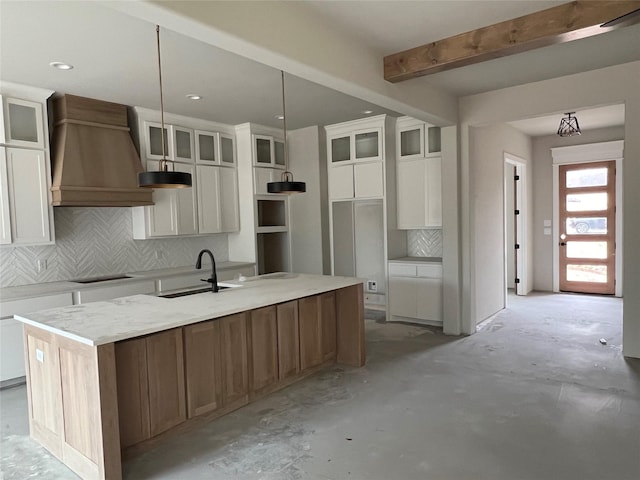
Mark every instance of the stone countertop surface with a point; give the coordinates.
(99, 323)
(52, 288)
(416, 260)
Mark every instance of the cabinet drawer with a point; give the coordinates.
(432, 270)
(183, 281)
(402, 270)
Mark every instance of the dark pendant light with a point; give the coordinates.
(286, 185)
(163, 178)
(569, 126)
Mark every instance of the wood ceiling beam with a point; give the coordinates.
(564, 23)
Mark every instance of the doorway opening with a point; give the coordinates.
(515, 213)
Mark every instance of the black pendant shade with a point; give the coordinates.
(163, 178)
(166, 179)
(286, 185)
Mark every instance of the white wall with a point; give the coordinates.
(489, 145)
(607, 86)
(543, 196)
(306, 210)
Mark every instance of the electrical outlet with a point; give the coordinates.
(159, 254)
(41, 265)
(39, 355)
(372, 285)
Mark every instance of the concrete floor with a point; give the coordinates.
(533, 395)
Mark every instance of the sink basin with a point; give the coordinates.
(196, 291)
(101, 279)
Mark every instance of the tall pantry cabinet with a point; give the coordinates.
(361, 170)
(26, 214)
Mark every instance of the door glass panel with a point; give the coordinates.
(587, 250)
(367, 145)
(23, 123)
(588, 177)
(155, 141)
(263, 150)
(586, 225)
(587, 273)
(410, 142)
(433, 136)
(580, 202)
(279, 149)
(226, 145)
(183, 144)
(341, 149)
(206, 146)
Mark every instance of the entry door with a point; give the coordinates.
(587, 227)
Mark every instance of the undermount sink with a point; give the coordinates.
(221, 287)
(101, 279)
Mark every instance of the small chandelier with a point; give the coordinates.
(286, 185)
(163, 178)
(569, 126)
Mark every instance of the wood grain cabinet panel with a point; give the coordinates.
(328, 319)
(203, 371)
(263, 350)
(310, 332)
(165, 367)
(288, 340)
(133, 391)
(233, 341)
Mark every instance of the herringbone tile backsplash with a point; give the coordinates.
(424, 243)
(92, 242)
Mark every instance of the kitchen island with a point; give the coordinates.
(108, 379)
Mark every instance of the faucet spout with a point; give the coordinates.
(214, 277)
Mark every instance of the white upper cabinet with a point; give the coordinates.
(207, 147)
(419, 193)
(26, 214)
(182, 144)
(227, 150)
(416, 139)
(356, 159)
(268, 152)
(23, 124)
(195, 147)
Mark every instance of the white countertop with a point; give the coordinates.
(99, 323)
(416, 260)
(52, 288)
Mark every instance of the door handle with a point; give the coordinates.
(562, 244)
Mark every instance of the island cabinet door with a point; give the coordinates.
(328, 319)
(263, 350)
(310, 332)
(203, 372)
(133, 391)
(165, 369)
(233, 352)
(288, 340)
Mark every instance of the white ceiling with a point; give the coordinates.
(115, 57)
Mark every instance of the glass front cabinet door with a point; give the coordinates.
(23, 123)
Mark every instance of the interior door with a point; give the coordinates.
(587, 227)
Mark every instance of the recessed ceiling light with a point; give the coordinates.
(367, 112)
(279, 117)
(61, 65)
(193, 96)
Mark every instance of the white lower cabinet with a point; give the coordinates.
(24, 202)
(415, 292)
(11, 336)
(125, 289)
(419, 193)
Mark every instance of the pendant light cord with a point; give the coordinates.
(284, 123)
(163, 162)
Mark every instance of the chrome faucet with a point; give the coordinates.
(214, 277)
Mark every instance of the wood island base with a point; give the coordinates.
(92, 406)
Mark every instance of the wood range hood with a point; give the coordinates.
(95, 163)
